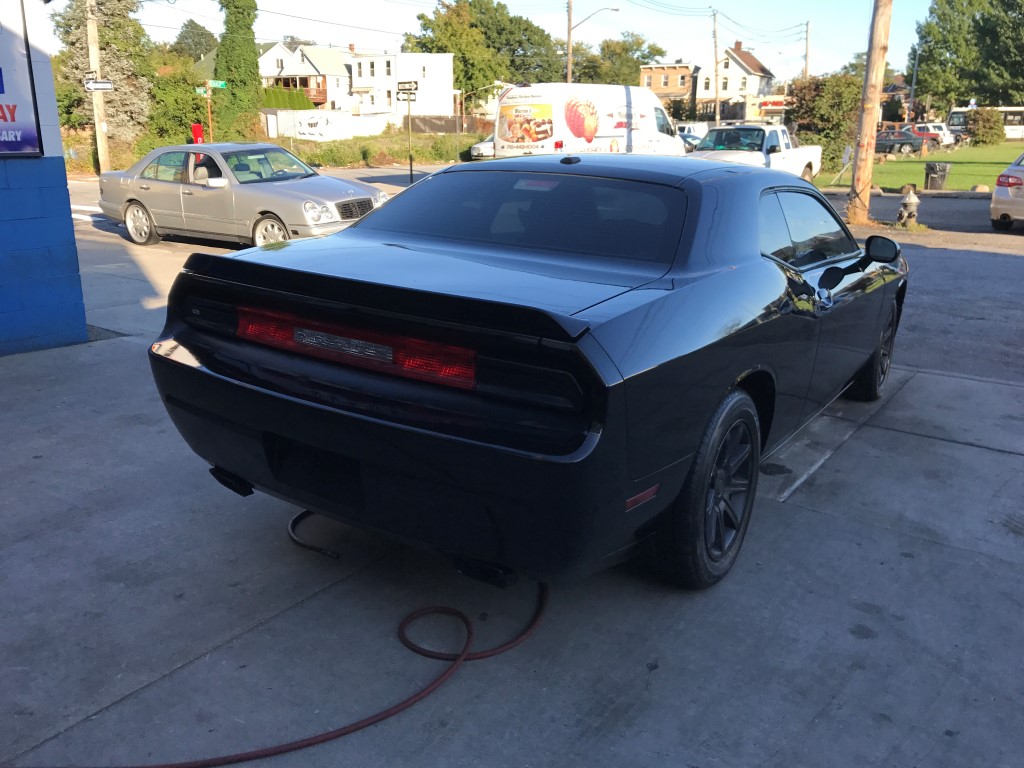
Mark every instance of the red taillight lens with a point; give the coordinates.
(389, 353)
(1007, 180)
(559, 145)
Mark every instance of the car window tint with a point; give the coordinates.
(774, 233)
(816, 233)
(574, 215)
(170, 166)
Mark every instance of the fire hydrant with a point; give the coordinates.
(908, 209)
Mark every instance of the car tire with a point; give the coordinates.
(869, 382)
(906, 149)
(1002, 225)
(139, 224)
(807, 174)
(269, 229)
(700, 535)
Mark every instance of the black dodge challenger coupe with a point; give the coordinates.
(536, 365)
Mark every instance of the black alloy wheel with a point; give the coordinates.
(728, 492)
(700, 535)
(869, 382)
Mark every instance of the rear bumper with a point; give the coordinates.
(545, 516)
(111, 210)
(1005, 205)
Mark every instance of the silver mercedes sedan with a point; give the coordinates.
(247, 193)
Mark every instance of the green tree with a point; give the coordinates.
(176, 105)
(1000, 35)
(529, 52)
(827, 109)
(621, 59)
(986, 126)
(194, 40)
(236, 107)
(124, 52)
(949, 52)
(586, 63)
(451, 29)
(292, 43)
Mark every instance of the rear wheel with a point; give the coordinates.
(906, 149)
(1002, 225)
(701, 534)
(268, 229)
(139, 224)
(870, 380)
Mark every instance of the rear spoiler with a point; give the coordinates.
(384, 299)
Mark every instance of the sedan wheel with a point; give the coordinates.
(268, 229)
(1002, 225)
(139, 224)
(906, 149)
(701, 534)
(870, 380)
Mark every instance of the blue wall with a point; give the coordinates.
(40, 290)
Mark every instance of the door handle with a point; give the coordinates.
(186, 192)
(143, 186)
(824, 297)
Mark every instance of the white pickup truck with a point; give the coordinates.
(764, 146)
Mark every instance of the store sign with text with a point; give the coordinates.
(19, 121)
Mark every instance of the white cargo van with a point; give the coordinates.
(573, 118)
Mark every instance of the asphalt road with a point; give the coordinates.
(873, 618)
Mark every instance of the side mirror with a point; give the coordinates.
(774, 149)
(217, 183)
(882, 249)
(831, 277)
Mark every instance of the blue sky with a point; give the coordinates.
(772, 30)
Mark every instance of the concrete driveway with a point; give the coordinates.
(874, 617)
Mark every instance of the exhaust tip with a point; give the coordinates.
(232, 481)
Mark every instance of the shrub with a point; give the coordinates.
(986, 126)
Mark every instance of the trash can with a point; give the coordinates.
(935, 175)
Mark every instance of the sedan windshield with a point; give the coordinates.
(572, 215)
(260, 164)
(743, 139)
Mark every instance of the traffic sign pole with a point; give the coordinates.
(409, 119)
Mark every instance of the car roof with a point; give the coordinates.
(224, 146)
(660, 169)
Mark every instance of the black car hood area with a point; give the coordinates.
(565, 285)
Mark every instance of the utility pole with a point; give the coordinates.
(99, 110)
(568, 46)
(807, 50)
(913, 82)
(714, 35)
(874, 73)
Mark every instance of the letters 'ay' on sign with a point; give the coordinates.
(408, 85)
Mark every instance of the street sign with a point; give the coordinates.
(201, 90)
(216, 84)
(99, 85)
(408, 85)
(405, 96)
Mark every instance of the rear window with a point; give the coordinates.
(571, 215)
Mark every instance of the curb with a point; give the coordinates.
(951, 193)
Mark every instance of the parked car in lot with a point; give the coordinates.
(937, 131)
(248, 193)
(539, 364)
(482, 150)
(1007, 204)
(691, 140)
(764, 146)
(898, 142)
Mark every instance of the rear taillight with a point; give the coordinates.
(1008, 180)
(559, 145)
(389, 353)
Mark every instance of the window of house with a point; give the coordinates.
(743, 84)
(387, 67)
(647, 80)
(372, 73)
(725, 83)
(682, 80)
(707, 83)
(337, 82)
(359, 69)
(373, 99)
(389, 98)
(424, 72)
(664, 81)
(725, 65)
(279, 63)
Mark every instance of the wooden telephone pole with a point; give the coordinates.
(99, 109)
(874, 73)
(568, 45)
(807, 50)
